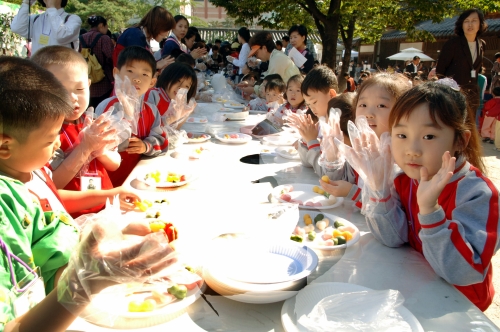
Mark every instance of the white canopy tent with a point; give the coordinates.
(409, 53)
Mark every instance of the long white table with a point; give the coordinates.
(222, 200)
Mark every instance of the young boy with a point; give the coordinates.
(70, 68)
(139, 66)
(260, 103)
(319, 86)
(275, 89)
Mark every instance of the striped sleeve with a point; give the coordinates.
(157, 140)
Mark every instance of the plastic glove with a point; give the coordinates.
(229, 59)
(179, 109)
(129, 99)
(331, 155)
(304, 124)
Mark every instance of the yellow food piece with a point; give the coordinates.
(307, 219)
(336, 233)
(347, 235)
(148, 203)
(316, 188)
(156, 226)
(325, 178)
(134, 306)
(148, 305)
(320, 191)
(141, 205)
(198, 151)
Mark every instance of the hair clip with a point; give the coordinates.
(449, 82)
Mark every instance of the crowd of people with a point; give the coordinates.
(412, 162)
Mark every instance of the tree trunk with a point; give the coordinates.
(330, 39)
(347, 36)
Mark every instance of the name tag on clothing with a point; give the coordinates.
(90, 183)
(44, 39)
(473, 73)
(33, 292)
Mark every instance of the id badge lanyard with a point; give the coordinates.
(10, 257)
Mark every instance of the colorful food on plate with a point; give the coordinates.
(231, 136)
(144, 306)
(331, 200)
(198, 120)
(169, 229)
(331, 235)
(199, 137)
(157, 177)
(296, 238)
(179, 291)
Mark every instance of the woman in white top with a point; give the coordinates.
(243, 38)
(54, 27)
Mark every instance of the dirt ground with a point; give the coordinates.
(492, 162)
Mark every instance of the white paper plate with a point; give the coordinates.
(198, 140)
(283, 152)
(242, 138)
(316, 243)
(163, 175)
(193, 119)
(233, 104)
(227, 109)
(108, 307)
(305, 193)
(257, 112)
(236, 115)
(316, 292)
(267, 264)
(280, 140)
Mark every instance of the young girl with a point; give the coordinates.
(293, 95)
(174, 77)
(441, 202)
(174, 39)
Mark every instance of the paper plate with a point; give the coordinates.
(145, 177)
(284, 152)
(314, 293)
(276, 263)
(233, 104)
(236, 115)
(279, 140)
(242, 138)
(196, 137)
(305, 194)
(316, 244)
(257, 112)
(193, 119)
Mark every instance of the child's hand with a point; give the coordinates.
(305, 125)
(330, 131)
(136, 145)
(127, 199)
(338, 188)
(96, 135)
(429, 189)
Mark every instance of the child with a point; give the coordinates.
(275, 89)
(251, 78)
(318, 87)
(441, 202)
(174, 77)
(374, 100)
(70, 68)
(260, 103)
(295, 100)
(491, 115)
(139, 66)
(215, 61)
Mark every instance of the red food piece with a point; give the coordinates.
(183, 178)
(171, 232)
(317, 204)
(234, 136)
(190, 135)
(286, 197)
(191, 286)
(309, 204)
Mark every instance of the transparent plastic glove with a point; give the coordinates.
(331, 155)
(179, 109)
(358, 311)
(272, 113)
(129, 99)
(204, 96)
(105, 258)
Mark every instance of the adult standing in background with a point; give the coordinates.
(103, 51)
(286, 44)
(461, 57)
(54, 27)
(156, 24)
(243, 38)
(298, 39)
(414, 66)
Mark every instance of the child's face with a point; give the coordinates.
(273, 95)
(76, 81)
(19, 159)
(181, 29)
(375, 103)
(174, 88)
(293, 94)
(318, 101)
(417, 142)
(139, 73)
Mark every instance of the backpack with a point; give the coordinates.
(96, 73)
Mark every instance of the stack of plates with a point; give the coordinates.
(247, 270)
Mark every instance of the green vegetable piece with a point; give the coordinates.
(311, 235)
(341, 240)
(319, 217)
(335, 241)
(296, 238)
(158, 201)
(149, 215)
(327, 195)
(338, 224)
(179, 291)
(189, 268)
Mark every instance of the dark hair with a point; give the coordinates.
(217, 41)
(198, 45)
(194, 30)
(496, 91)
(251, 74)
(447, 105)
(162, 43)
(346, 74)
(115, 36)
(30, 95)
(83, 31)
(244, 33)
(63, 3)
(459, 30)
(176, 72)
(396, 84)
(286, 38)
(186, 59)
(136, 53)
(278, 43)
(300, 29)
(94, 21)
(178, 18)
(497, 55)
(263, 38)
(344, 103)
(271, 77)
(189, 34)
(156, 21)
(215, 48)
(320, 79)
(276, 84)
(177, 52)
